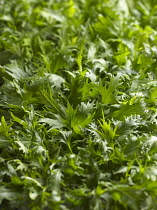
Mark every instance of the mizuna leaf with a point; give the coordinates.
(108, 93)
(3, 126)
(107, 28)
(127, 126)
(22, 147)
(55, 80)
(108, 130)
(128, 110)
(7, 194)
(47, 95)
(29, 179)
(54, 123)
(151, 145)
(15, 71)
(16, 119)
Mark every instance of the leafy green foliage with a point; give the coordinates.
(78, 96)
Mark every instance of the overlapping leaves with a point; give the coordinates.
(78, 104)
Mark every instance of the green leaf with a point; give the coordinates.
(4, 128)
(108, 93)
(7, 194)
(22, 147)
(107, 28)
(15, 71)
(18, 120)
(52, 122)
(128, 110)
(108, 129)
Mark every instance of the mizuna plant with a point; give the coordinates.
(78, 97)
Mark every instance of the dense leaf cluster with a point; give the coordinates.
(78, 101)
